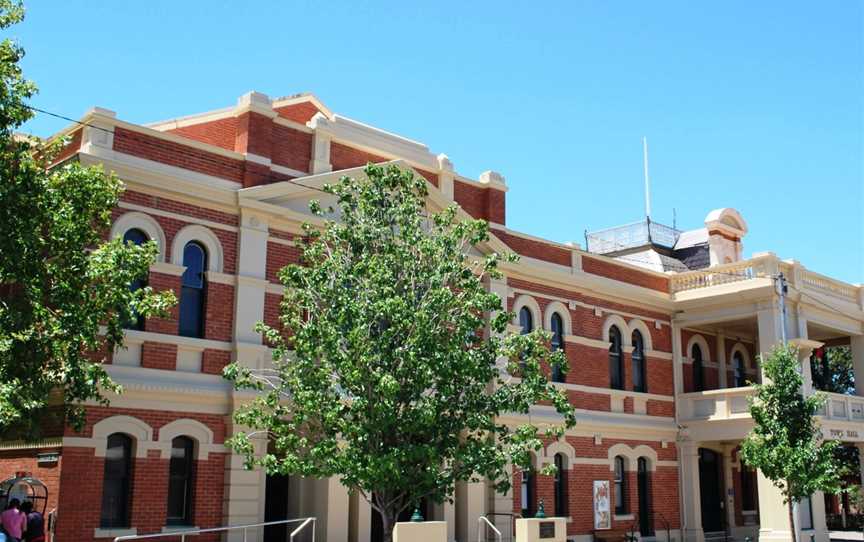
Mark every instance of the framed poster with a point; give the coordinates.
(602, 515)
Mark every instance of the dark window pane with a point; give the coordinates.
(738, 365)
(698, 370)
(639, 374)
(137, 237)
(560, 487)
(195, 260)
(116, 482)
(557, 325)
(620, 486)
(526, 320)
(616, 362)
(180, 482)
(192, 292)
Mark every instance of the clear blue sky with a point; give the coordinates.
(752, 105)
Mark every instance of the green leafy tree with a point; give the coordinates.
(394, 366)
(786, 442)
(832, 370)
(64, 292)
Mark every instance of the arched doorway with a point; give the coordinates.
(711, 490)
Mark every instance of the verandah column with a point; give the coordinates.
(691, 512)
(773, 513)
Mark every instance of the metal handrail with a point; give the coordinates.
(480, 521)
(301, 527)
(512, 522)
(245, 528)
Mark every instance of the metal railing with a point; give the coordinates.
(480, 522)
(631, 235)
(182, 534)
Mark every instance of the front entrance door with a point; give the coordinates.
(646, 517)
(710, 490)
(276, 507)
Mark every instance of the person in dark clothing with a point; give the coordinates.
(35, 524)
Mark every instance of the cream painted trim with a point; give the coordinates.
(739, 347)
(196, 232)
(632, 454)
(187, 427)
(531, 237)
(621, 324)
(180, 140)
(136, 336)
(614, 393)
(226, 202)
(279, 241)
(222, 278)
(143, 222)
(596, 343)
(139, 430)
(637, 324)
(274, 288)
(163, 176)
(563, 447)
(282, 121)
(288, 171)
(703, 345)
(168, 269)
(191, 120)
(532, 305)
(563, 311)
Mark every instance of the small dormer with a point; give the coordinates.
(725, 229)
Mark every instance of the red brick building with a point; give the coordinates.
(662, 335)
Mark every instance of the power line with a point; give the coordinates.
(69, 119)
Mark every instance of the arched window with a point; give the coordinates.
(698, 369)
(620, 486)
(560, 483)
(180, 478)
(193, 290)
(526, 320)
(557, 325)
(740, 377)
(116, 482)
(643, 486)
(528, 491)
(616, 361)
(640, 377)
(136, 237)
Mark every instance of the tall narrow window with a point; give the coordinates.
(748, 487)
(526, 320)
(643, 483)
(180, 478)
(557, 325)
(698, 369)
(193, 289)
(527, 492)
(740, 376)
(616, 362)
(560, 487)
(116, 482)
(136, 237)
(620, 486)
(640, 377)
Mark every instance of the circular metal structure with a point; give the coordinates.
(24, 487)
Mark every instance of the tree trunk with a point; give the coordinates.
(388, 521)
(792, 521)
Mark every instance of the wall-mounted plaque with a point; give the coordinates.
(547, 529)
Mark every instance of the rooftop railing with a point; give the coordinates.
(630, 236)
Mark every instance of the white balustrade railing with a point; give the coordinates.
(723, 404)
(766, 265)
